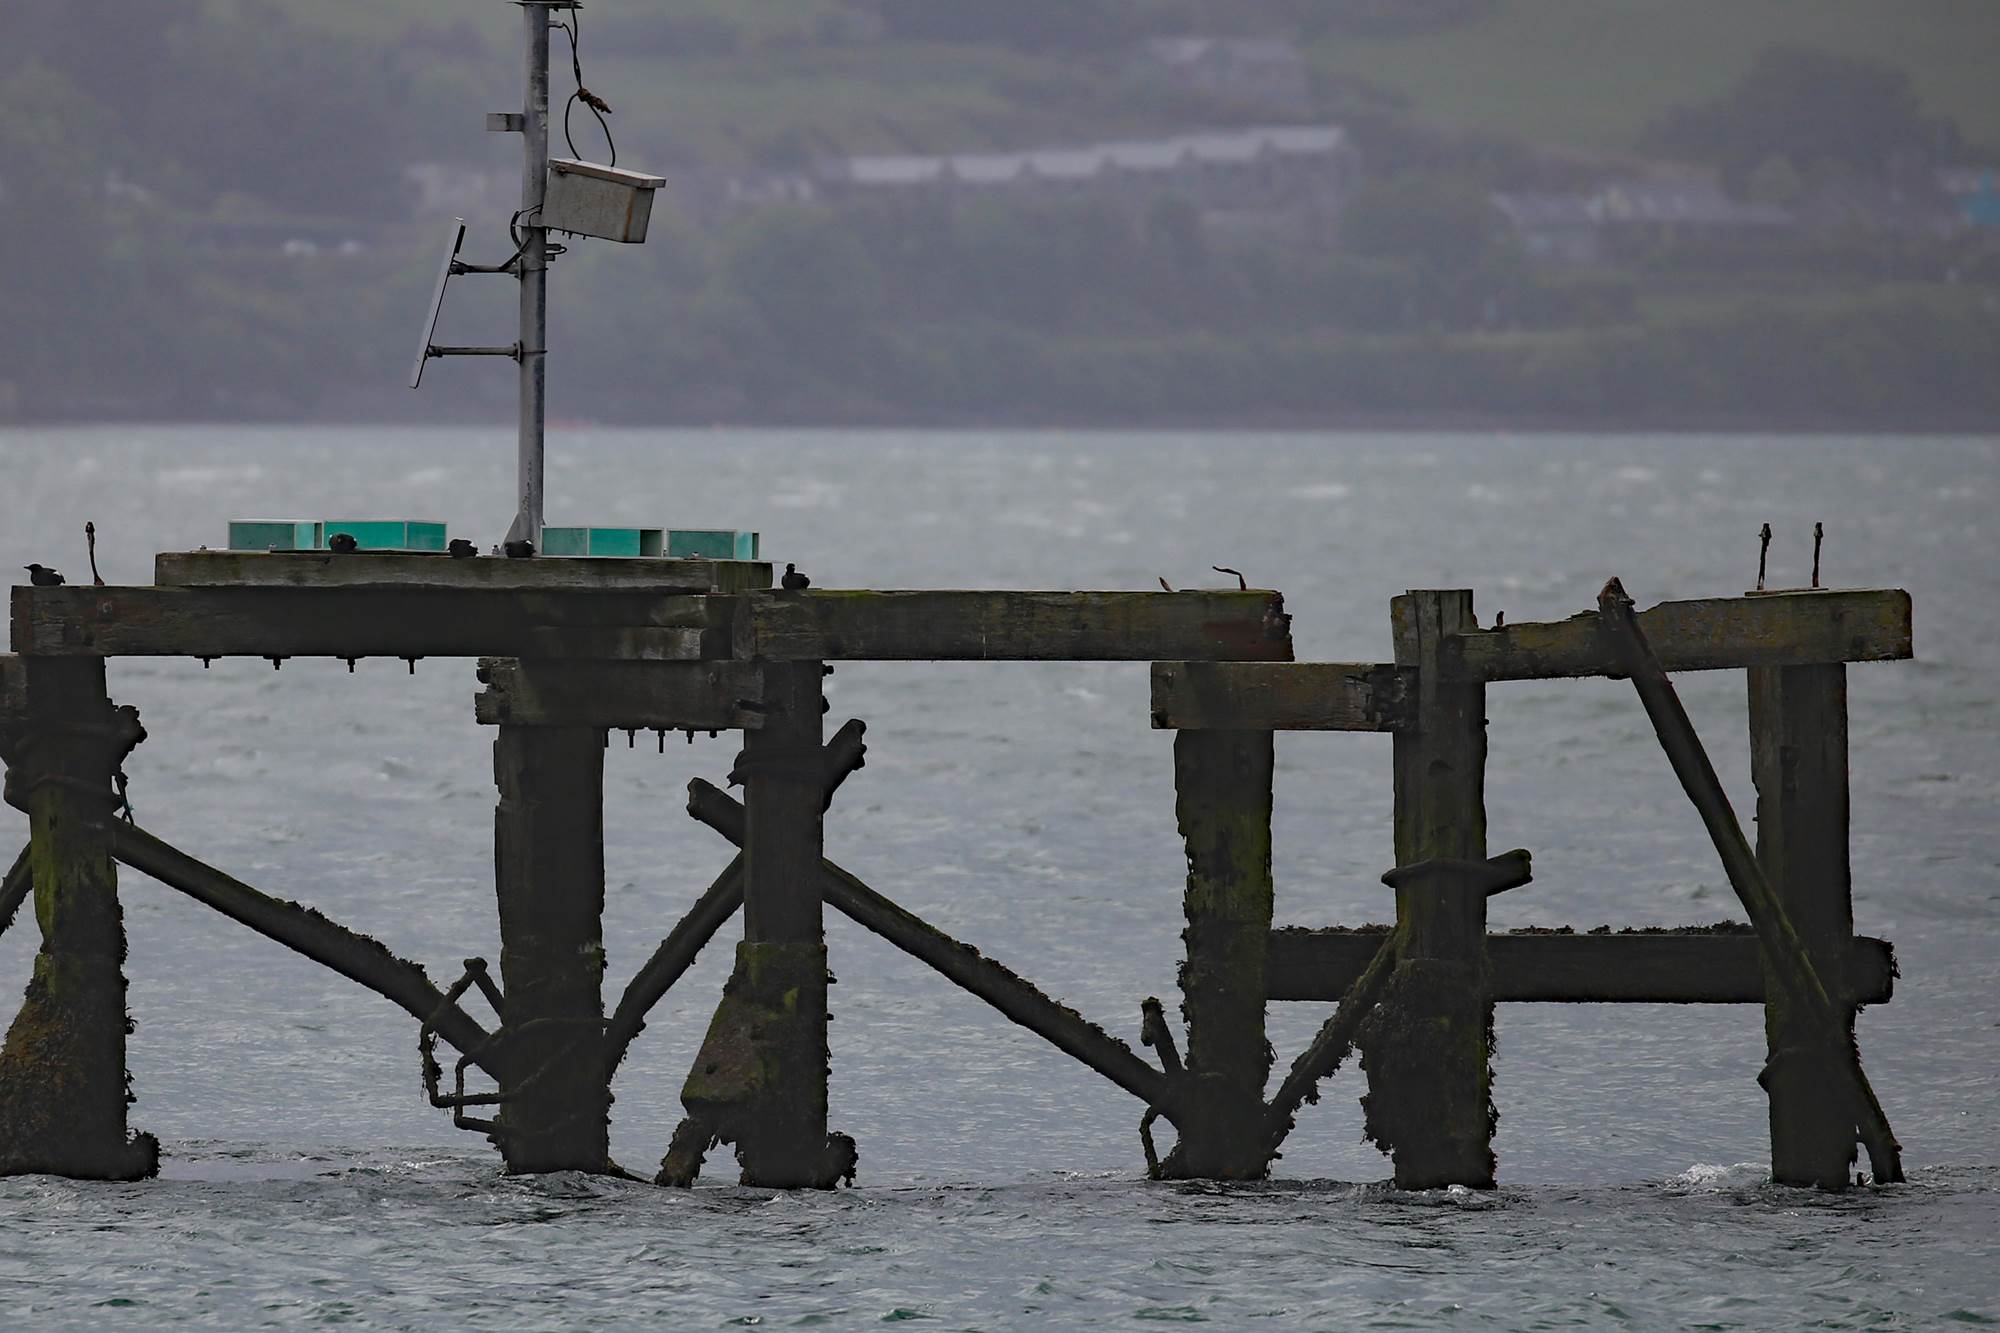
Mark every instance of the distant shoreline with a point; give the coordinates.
(1379, 423)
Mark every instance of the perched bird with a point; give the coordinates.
(342, 543)
(793, 580)
(517, 550)
(1164, 585)
(461, 549)
(43, 577)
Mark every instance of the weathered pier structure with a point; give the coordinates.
(570, 650)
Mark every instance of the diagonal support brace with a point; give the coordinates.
(1056, 1023)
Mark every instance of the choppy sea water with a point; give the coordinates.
(1028, 809)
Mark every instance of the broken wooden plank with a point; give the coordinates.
(622, 696)
(866, 625)
(1713, 634)
(1280, 696)
(380, 569)
(361, 622)
(1640, 967)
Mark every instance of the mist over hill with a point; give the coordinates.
(1776, 212)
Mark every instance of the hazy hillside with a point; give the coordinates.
(1607, 211)
(1593, 73)
(718, 80)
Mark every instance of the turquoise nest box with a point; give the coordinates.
(387, 534)
(626, 542)
(712, 543)
(676, 543)
(274, 534)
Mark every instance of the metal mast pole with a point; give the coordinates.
(533, 273)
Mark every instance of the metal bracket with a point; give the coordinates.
(512, 351)
(475, 974)
(506, 122)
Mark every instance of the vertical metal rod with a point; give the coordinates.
(533, 274)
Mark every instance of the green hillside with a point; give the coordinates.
(1593, 73)
(717, 80)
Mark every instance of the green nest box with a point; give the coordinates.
(275, 534)
(676, 543)
(301, 534)
(388, 534)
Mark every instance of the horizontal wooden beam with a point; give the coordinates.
(1715, 634)
(364, 622)
(378, 569)
(1012, 626)
(1653, 967)
(1279, 696)
(622, 696)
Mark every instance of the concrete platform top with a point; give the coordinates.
(399, 569)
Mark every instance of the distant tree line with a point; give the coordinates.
(1814, 116)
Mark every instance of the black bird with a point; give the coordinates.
(461, 549)
(342, 543)
(793, 580)
(43, 577)
(517, 550)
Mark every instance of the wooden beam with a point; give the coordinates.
(386, 569)
(1631, 967)
(63, 1077)
(1222, 802)
(622, 696)
(16, 888)
(13, 690)
(1714, 634)
(1012, 626)
(548, 862)
(778, 988)
(1805, 991)
(305, 931)
(842, 756)
(361, 622)
(1798, 761)
(1281, 696)
(961, 964)
(1429, 1103)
